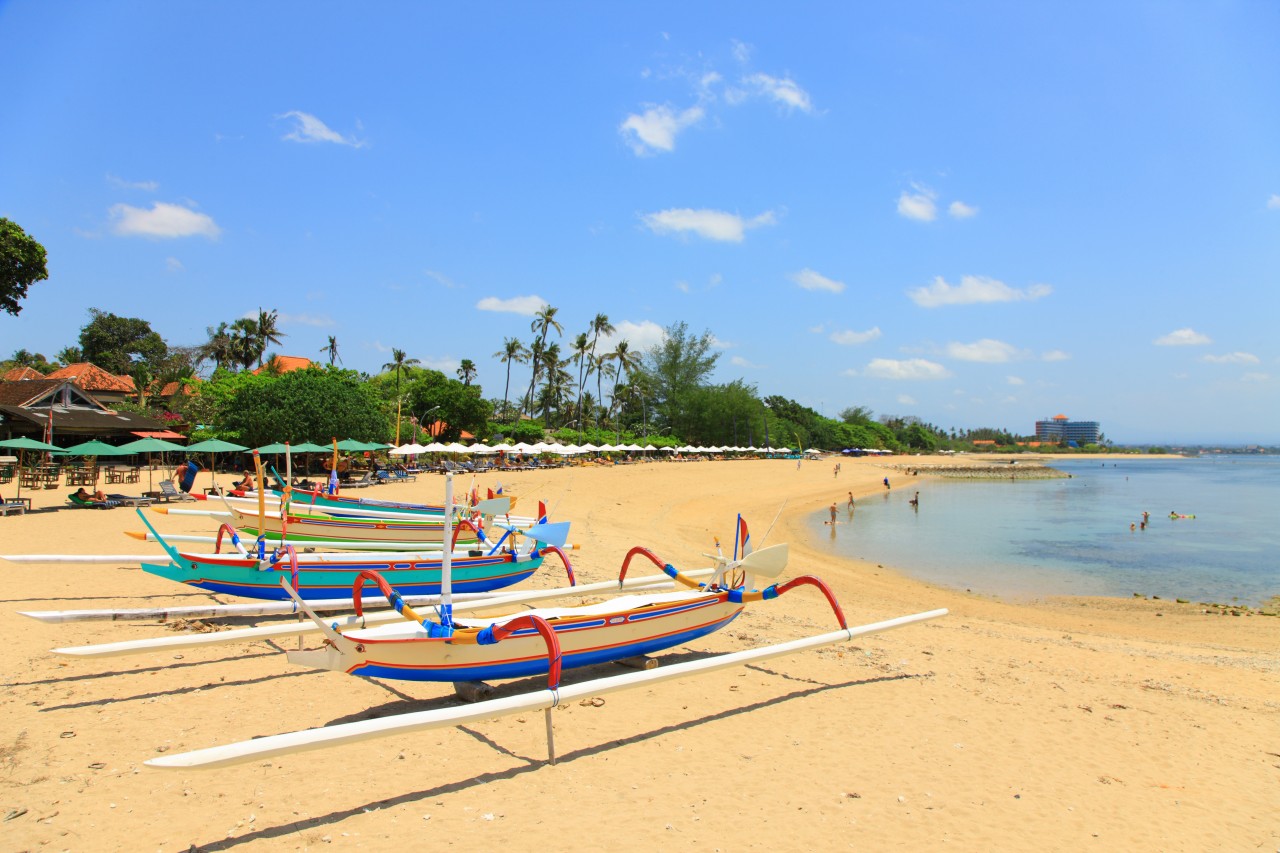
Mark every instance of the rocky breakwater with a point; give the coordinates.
(1014, 470)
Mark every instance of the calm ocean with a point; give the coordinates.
(1071, 536)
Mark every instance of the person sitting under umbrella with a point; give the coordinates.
(245, 485)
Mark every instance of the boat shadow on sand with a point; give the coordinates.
(528, 764)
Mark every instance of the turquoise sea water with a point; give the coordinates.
(1071, 536)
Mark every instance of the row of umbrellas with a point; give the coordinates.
(149, 446)
(569, 449)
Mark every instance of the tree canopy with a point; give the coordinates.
(115, 343)
(314, 404)
(22, 264)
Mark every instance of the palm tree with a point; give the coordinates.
(218, 347)
(398, 363)
(268, 331)
(543, 322)
(601, 367)
(246, 346)
(625, 361)
(467, 371)
(332, 350)
(512, 350)
(581, 348)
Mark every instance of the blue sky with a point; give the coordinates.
(981, 214)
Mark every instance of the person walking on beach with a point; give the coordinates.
(886, 482)
(833, 513)
(851, 501)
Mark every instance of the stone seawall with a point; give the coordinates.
(1004, 471)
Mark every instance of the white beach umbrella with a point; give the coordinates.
(589, 448)
(481, 447)
(650, 447)
(454, 447)
(633, 447)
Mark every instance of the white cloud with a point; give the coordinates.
(173, 265)
(960, 210)
(708, 224)
(974, 289)
(918, 205)
(639, 336)
(682, 286)
(121, 183)
(656, 128)
(906, 400)
(308, 128)
(852, 338)
(1056, 355)
(1233, 358)
(905, 369)
(1016, 380)
(1273, 203)
(162, 221)
(1182, 338)
(319, 321)
(739, 361)
(446, 364)
(721, 344)
(987, 351)
(526, 305)
(782, 90)
(1256, 377)
(818, 329)
(441, 278)
(741, 51)
(812, 280)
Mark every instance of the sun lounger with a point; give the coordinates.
(16, 506)
(170, 492)
(82, 503)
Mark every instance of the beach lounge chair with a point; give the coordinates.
(170, 492)
(79, 502)
(15, 506)
(366, 480)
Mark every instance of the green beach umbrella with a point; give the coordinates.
(22, 444)
(350, 445)
(311, 447)
(212, 446)
(149, 446)
(268, 449)
(93, 448)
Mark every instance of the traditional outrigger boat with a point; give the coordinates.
(329, 575)
(307, 527)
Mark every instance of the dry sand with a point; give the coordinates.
(1080, 724)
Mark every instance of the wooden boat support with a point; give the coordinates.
(545, 700)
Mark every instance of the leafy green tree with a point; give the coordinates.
(314, 404)
(22, 264)
(34, 360)
(70, 355)
(676, 368)
(461, 406)
(115, 343)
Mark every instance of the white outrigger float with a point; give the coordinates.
(534, 642)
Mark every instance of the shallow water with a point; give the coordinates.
(1071, 536)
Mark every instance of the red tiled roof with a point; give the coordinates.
(287, 363)
(90, 377)
(21, 374)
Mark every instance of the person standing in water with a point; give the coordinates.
(886, 482)
(851, 501)
(833, 513)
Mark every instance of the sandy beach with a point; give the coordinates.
(1064, 724)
